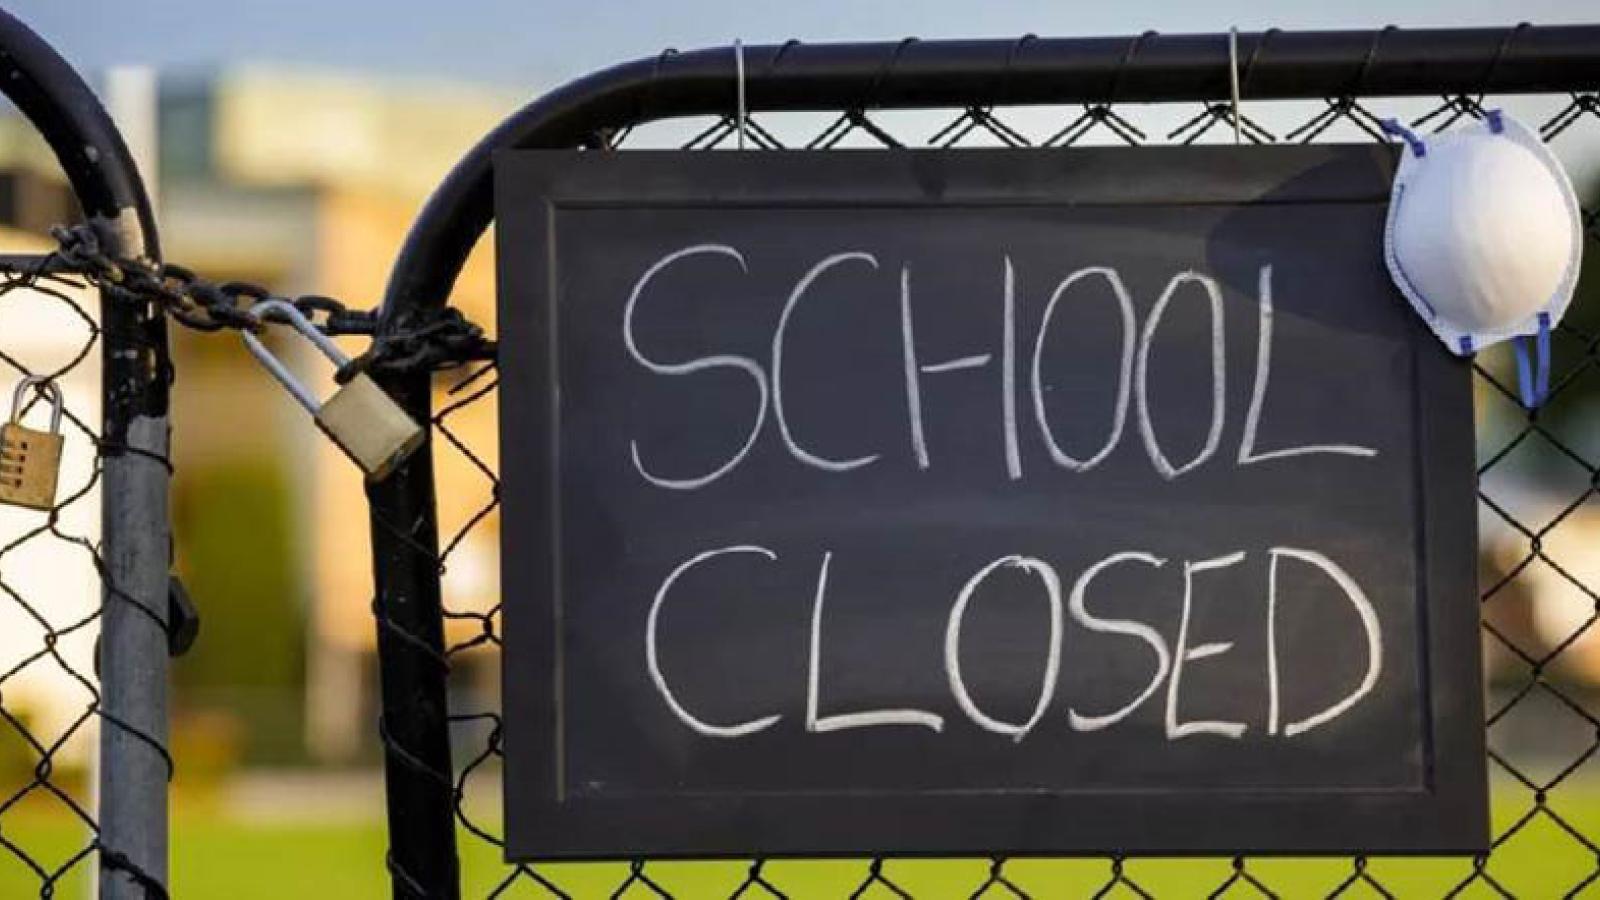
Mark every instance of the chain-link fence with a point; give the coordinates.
(84, 538)
(60, 686)
(51, 578)
(1538, 471)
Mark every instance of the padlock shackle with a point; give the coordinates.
(281, 372)
(49, 389)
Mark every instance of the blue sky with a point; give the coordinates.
(535, 43)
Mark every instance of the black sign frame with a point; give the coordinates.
(533, 188)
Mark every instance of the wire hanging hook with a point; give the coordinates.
(1233, 79)
(738, 68)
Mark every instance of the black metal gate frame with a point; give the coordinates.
(852, 79)
(135, 554)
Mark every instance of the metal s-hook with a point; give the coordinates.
(1233, 79)
(738, 68)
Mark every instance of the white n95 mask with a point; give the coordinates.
(1484, 239)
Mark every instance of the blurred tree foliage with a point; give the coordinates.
(233, 524)
(1578, 400)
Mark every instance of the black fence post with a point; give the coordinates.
(415, 718)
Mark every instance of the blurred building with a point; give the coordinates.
(305, 182)
(48, 581)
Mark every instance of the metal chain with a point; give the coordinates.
(424, 341)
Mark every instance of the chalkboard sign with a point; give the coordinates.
(978, 502)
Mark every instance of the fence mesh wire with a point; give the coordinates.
(53, 584)
(1539, 479)
(1539, 486)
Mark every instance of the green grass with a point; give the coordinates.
(221, 858)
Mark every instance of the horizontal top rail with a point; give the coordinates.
(1028, 70)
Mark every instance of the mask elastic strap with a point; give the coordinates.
(1533, 377)
(1524, 374)
(1542, 385)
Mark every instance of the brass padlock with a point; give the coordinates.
(366, 424)
(30, 460)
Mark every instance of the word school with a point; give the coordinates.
(1132, 382)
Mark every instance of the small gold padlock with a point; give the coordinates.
(366, 424)
(30, 460)
(371, 428)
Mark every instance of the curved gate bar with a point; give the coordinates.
(796, 77)
(86, 142)
(132, 657)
